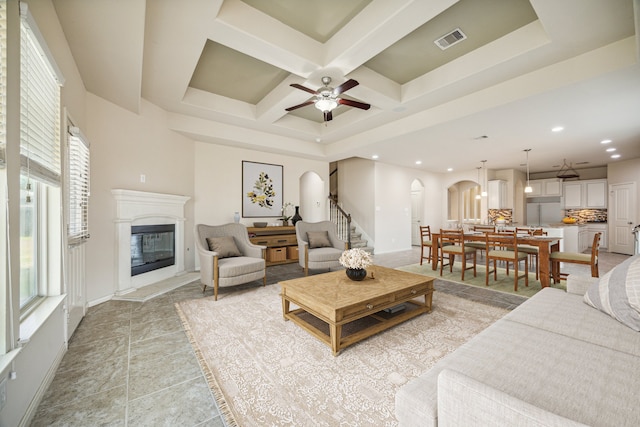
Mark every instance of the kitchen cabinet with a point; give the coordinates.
(497, 190)
(587, 194)
(592, 229)
(596, 193)
(545, 187)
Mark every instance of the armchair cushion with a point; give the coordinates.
(225, 246)
(318, 239)
(617, 293)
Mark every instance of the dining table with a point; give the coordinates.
(545, 245)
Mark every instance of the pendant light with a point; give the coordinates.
(528, 188)
(484, 180)
(478, 197)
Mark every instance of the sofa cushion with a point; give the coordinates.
(225, 246)
(484, 405)
(566, 314)
(617, 293)
(318, 239)
(588, 383)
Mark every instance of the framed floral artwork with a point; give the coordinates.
(261, 190)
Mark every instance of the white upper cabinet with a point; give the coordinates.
(572, 194)
(588, 194)
(497, 190)
(596, 193)
(545, 187)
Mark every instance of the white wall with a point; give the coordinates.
(218, 182)
(393, 205)
(125, 145)
(356, 192)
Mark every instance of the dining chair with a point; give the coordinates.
(452, 244)
(575, 258)
(425, 242)
(480, 246)
(532, 251)
(504, 247)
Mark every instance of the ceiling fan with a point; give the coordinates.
(326, 98)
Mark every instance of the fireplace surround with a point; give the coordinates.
(141, 208)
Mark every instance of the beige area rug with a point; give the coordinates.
(268, 372)
(503, 284)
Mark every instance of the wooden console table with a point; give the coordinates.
(281, 243)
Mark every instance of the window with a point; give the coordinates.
(3, 79)
(40, 243)
(78, 187)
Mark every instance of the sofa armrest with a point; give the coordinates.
(579, 285)
(463, 401)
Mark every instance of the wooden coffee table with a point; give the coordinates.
(336, 300)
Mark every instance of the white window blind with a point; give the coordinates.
(3, 81)
(78, 152)
(39, 106)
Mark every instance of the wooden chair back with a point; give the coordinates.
(502, 240)
(425, 232)
(451, 237)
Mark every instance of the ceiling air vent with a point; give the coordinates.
(450, 39)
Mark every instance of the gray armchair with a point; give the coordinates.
(318, 245)
(235, 259)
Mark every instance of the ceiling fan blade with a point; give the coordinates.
(306, 89)
(328, 116)
(345, 86)
(356, 104)
(304, 104)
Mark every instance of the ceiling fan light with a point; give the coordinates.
(326, 104)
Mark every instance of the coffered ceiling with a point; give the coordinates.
(223, 69)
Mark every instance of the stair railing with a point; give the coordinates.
(341, 219)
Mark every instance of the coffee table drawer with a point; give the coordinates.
(371, 306)
(413, 291)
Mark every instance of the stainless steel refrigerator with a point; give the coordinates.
(543, 211)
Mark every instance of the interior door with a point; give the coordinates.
(416, 216)
(622, 217)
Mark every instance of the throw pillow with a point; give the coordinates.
(225, 246)
(617, 293)
(318, 239)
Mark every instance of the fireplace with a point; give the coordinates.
(143, 209)
(152, 247)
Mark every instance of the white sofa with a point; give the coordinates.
(553, 361)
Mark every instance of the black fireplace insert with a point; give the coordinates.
(152, 247)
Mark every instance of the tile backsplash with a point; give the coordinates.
(494, 214)
(588, 215)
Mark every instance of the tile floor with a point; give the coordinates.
(130, 363)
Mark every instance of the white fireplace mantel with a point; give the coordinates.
(144, 208)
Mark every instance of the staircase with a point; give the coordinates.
(358, 242)
(346, 231)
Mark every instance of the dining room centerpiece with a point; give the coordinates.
(356, 261)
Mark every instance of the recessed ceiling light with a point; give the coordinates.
(418, 162)
(318, 139)
(375, 156)
(609, 150)
(399, 109)
(557, 129)
(449, 169)
(605, 141)
(615, 156)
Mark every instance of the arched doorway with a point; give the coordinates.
(464, 203)
(313, 199)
